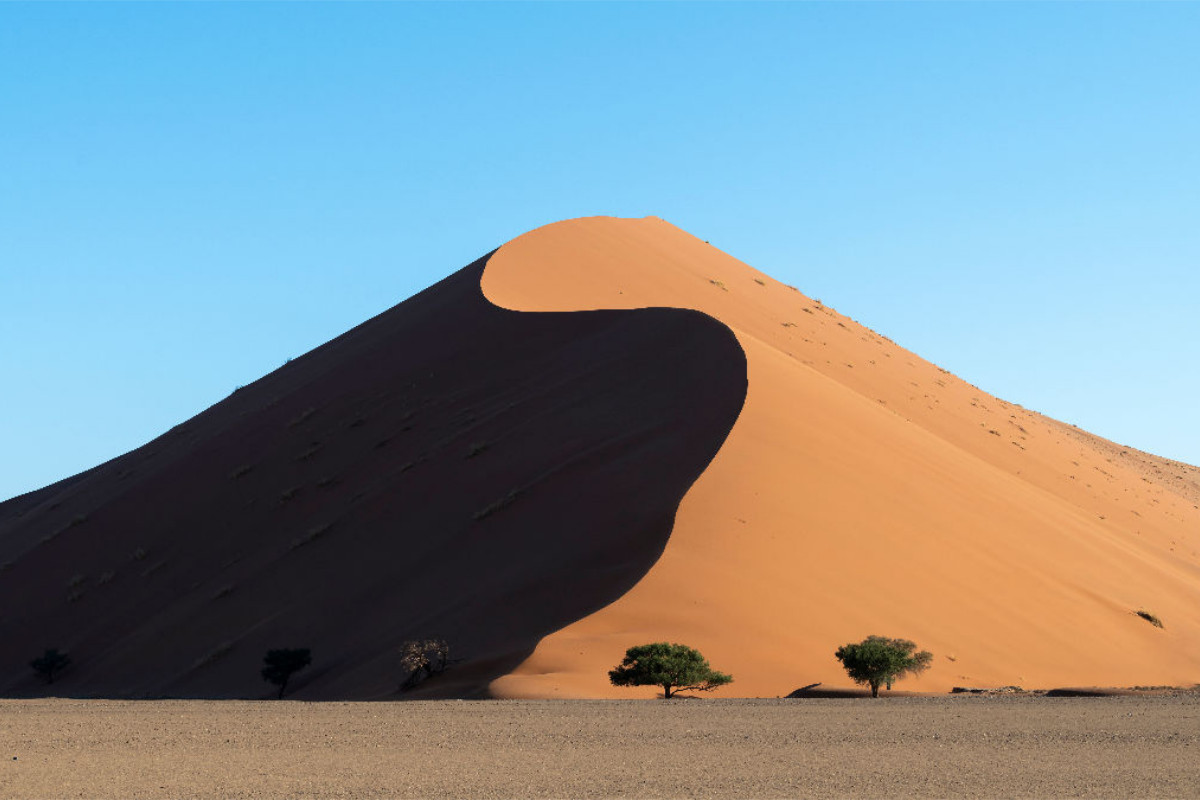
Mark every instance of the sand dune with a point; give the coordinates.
(447, 469)
(638, 438)
(864, 490)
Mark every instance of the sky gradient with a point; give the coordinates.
(192, 193)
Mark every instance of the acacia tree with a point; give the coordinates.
(878, 660)
(280, 664)
(675, 667)
(49, 663)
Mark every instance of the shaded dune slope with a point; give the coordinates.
(447, 469)
(864, 490)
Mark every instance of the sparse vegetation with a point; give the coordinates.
(224, 591)
(280, 665)
(674, 667)
(1153, 620)
(421, 659)
(240, 471)
(476, 448)
(877, 661)
(50, 663)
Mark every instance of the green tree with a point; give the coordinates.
(674, 667)
(49, 663)
(280, 664)
(878, 660)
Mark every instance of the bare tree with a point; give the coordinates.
(421, 659)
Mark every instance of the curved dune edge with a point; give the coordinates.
(863, 490)
(445, 470)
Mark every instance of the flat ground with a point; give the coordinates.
(915, 746)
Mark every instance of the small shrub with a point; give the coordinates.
(1153, 620)
(76, 580)
(421, 659)
(50, 663)
(224, 591)
(280, 665)
(240, 471)
(476, 448)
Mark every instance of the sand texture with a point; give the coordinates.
(606, 432)
(866, 491)
(914, 747)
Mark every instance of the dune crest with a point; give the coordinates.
(864, 490)
(605, 433)
(446, 469)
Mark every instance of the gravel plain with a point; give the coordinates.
(961, 746)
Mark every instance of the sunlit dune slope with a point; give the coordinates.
(863, 490)
(448, 469)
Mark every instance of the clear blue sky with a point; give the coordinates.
(192, 193)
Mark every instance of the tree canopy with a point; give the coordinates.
(878, 660)
(280, 664)
(50, 663)
(675, 667)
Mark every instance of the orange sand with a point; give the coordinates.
(864, 490)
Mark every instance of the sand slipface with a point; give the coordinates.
(866, 491)
(447, 469)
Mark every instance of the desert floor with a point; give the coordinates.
(913, 746)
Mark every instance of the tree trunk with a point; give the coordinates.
(666, 691)
(874, 689)
(282, 686)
